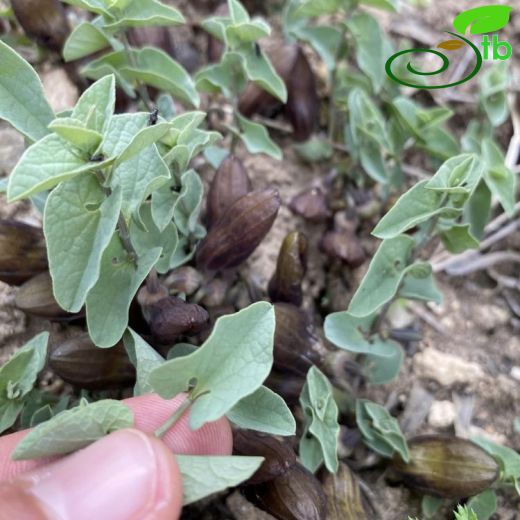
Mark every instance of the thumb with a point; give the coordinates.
(127, 475)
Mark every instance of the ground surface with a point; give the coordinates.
(462, 377)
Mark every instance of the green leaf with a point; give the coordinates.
(415, 206)
(73, 131)
(499, 178)
(79, 221)
(318, 7)
(231, 364)
(205, 475)
(138, 178)
(387, 5)
(380, 430)
(189, 203)
(369, 47)
(151, 66)
(145, 236)
(484, 504)
(144, 357)
(74, 429)
(9, 412)
(485, 19)
(96, 105)
(109, 300)
(261, 72)
(458, 239)
(143, 139)
(384, 276)
(264, 411)
(44, 165)
(325, 39)
(463, 513)
(458, 175)
(314, 150)
(85, 39)
(22, 101)
(18, 375)
(237, 12)
(430, 505)
(478, 209)
(94, 6)
(121, 131)
(146, 13)
(247, 32)
(420, 285)
(256, 139)
(494, 83)
(227, 77)
(380, 370)
(508, 459)
(320, 422)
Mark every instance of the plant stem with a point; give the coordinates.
(163, 429)
(141, 88)
(124, 234)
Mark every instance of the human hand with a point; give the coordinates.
(128, 475)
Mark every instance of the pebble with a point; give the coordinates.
(59, 90)
(446, 369)
(442, 414)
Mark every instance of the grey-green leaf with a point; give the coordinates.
(79, 221)
(231, 364)
(108, 302)
(264, 411)
(144, 357)
(256, 139)
(74, 429)
(204, 475)
(22, 101)
(85, 39)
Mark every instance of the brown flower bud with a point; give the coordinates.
(279, 456)
(311, 204)
(239, 231)
(295, 495)
(295, 345)
(172, 317)
(229, 184)
(447, 467)
(79, 362)
(22, 252)
(344, 501)
(286, 283)
(302, 107)
(44, 21)
(36, 297)
(184, 279)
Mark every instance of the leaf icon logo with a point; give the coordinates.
(451, 45)
(485, 19)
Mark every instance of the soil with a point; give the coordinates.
(466, 367)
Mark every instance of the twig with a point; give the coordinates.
(483, 262)
(421, 312)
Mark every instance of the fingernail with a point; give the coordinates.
(124, 476)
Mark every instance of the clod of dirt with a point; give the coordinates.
(59, 90)
(442, 414)
(446, 369)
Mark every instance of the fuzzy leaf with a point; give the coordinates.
(109, 300)
(144, 357)
(256, 139)
(321, 421)
(86, 38)
(22, 101)
(484, 504)
(146, 13)
(231, 364)
(189, 203)
(74, 429)
(458, 239)
(44, 165)
(204, 475)
(263, 411)
(79, 222)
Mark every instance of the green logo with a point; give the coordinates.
(485, 19)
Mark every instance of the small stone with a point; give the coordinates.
(11, 148)
(442, 414)
(515, 373)
(446, 369)
(490, 317)
(59, 90)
